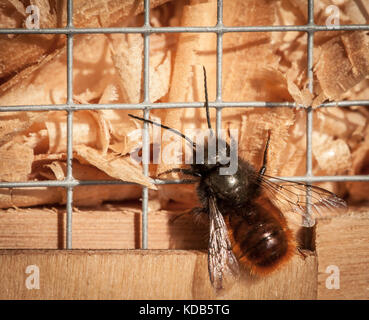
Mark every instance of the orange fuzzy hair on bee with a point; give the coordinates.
(249, 239)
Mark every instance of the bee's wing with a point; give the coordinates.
(291, 198)
(222, 263)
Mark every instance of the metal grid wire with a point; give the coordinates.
(219, 29)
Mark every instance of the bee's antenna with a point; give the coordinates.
(165, 127)
(207, 102)
(265, 157)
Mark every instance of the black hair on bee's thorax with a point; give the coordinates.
(232, 192)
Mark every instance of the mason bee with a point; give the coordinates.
(247, 211)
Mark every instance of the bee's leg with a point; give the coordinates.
(200, 215)
(301, 252)
(194, 211)
(172, 220)
(185, 171)
(265, 158)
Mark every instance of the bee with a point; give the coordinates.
(247, 211)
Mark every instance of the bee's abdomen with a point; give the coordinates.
(262, 244)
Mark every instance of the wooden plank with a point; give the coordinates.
(108, 226)
(141, 274)
(342, 241)
(115, 226)
(342, 245)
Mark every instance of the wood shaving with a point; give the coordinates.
(108, 69)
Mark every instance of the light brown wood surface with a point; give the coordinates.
(344, 242)
(341, 241)
(115, 226)
(142, 274)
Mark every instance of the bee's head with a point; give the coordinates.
(215, 153)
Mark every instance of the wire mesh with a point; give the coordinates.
(219, 29)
